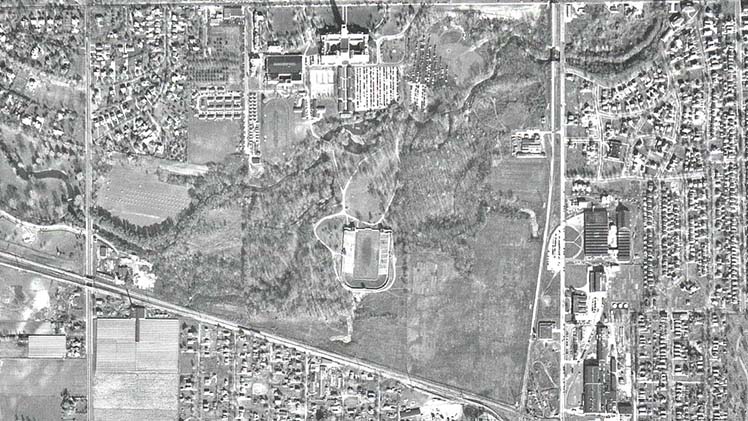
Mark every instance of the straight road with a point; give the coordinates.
(90, 270)
(101, 284)
(558, 110)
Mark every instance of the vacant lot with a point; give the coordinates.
(212, 141)
(140, 197)
(32, 387)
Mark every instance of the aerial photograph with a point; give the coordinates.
(373, 210)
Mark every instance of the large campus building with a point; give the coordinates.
(341, 70)
(344, 48)
(136, 374)
(366, 257)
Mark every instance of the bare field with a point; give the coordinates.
(140, 197)
(212, 141)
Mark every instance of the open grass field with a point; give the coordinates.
(372, 186)
(393, 51)
(576, 276)
(362, 202)
(279, 130)
(140, 197)
(465, 64)
(212, 141)
(32, 387)
(525, 179)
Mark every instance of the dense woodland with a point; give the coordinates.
(603, 42)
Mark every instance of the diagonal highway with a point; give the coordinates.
(101, 284)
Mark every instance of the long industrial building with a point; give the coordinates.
(595, 232)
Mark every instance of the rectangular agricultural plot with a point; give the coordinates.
(136, 369)
(141, 198)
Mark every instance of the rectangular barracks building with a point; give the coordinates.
(366, 257)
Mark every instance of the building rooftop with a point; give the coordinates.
(284, 66)
(595, 231)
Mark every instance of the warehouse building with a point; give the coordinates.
(284, 68)
(623, 223)
(592, 387)
(595, 232)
